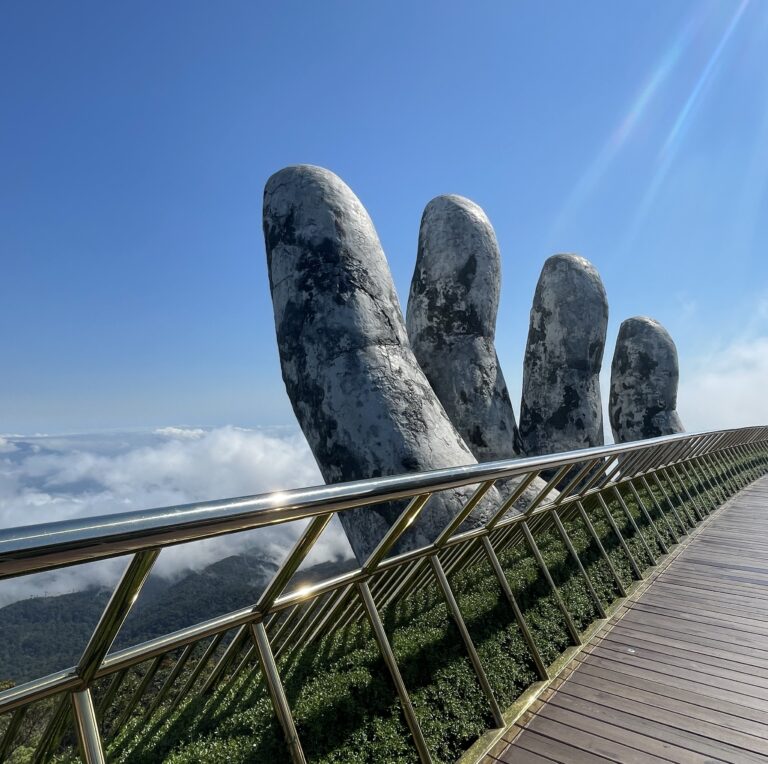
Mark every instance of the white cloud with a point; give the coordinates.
(727, 387)
(187, 433)
(50, 479)
(6, 446)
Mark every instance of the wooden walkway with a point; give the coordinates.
(680, 673)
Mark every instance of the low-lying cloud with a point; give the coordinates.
(727, 387)
(50, 478)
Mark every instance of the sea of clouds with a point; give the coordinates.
(46, 478)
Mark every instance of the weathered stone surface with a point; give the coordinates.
(561, 408)
(358, 393)
(644, 378)
(451, 321)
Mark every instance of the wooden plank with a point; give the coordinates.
(603, 725)
(702, 611)
(716, 584)
(680, 673)
(698, 667)
(666, 738)
(672, 586)
(587, 742)
(744, 672)
(727, 723)
(721, 621)
(519, 755)
(691, 626)
(751, 604)
(552, 747)
(682, 678)
(712, 638)
(680, 694)
(701, 646)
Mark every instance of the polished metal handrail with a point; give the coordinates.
(698, 469)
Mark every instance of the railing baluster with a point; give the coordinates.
(698, 511)
(110, 693)
(138, 693)
(647, 515)
(575, 557)
(199, 668)
(615, 528)
(172, 677)
(11, 731)
(686, 469)
(277, 692)
(120, 603)
(689, 523)
(380, 635)
(599, 544)
(575, 636)
(49, 740)
(679, 520)
(455, 611)
(87, 728)
(519, 617)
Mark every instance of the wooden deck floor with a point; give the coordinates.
(681, 672)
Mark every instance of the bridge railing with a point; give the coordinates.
(702, 469)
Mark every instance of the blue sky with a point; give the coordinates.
(135, 140)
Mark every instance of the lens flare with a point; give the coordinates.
(672, 141)
(632, 119)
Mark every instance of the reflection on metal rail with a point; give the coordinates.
(683, 477)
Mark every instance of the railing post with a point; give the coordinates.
(388, 655)
(168, 684)
(733, 468)
(52, 732)
(698, 510)
(599, 544)
(277, 692)
(115, 613)
(638, 532)
(690, 522)
(139, 691)
(534, 547)
(453, 608)
(201, 664)
(87, 728)
(682, 525)
(519, 617)
(110, 693)
(11, 731)
(705, 479)
(231, 651)
(575, 557)
(644, 510)
(687, 468)
(615, 528)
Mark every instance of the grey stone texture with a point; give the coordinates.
(362, 400)
(561, 408)
(451, 322)
(644, 379)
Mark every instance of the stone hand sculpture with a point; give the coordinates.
(561, 408)
(361, 398)
(451, 321)
(644, 378)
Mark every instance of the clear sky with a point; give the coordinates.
(135, 140)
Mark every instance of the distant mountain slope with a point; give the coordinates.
(45, 634)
